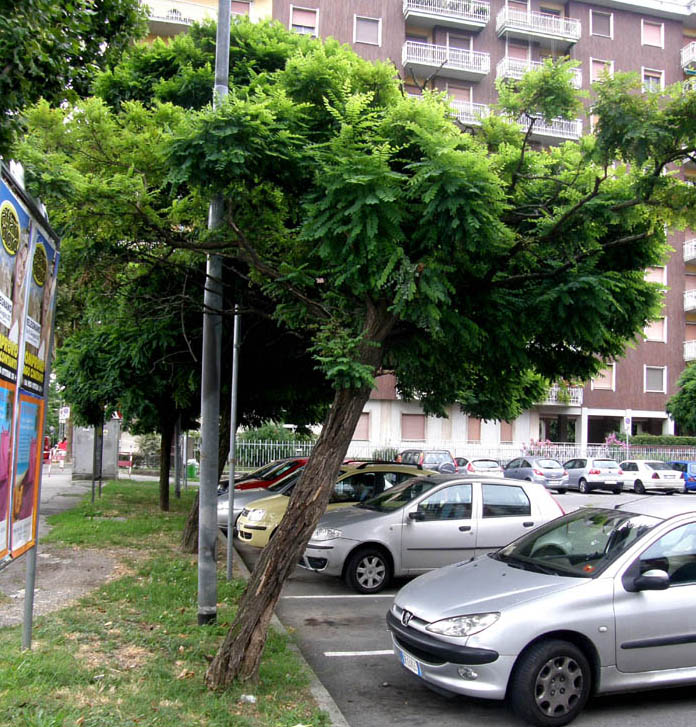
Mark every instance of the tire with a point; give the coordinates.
(617, 490)
(550, 683)
(582, 486)
(368, 570)
(561, 490)
(638, 488)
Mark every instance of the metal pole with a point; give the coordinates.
(210, 374)
(177, 458)
(233, 441)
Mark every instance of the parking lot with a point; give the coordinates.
(344, 638)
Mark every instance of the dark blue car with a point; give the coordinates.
(688, 470)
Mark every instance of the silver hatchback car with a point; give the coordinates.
(594, 473)
(597, 601)
(549, 472)
(424, 523)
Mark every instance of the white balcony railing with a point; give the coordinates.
(427, 54)
(477, 12)
(688, 55)
(178, 11)
(556, 128)
(689, 350)
(549, 26)
(564, 396)
(689, 300)
(689, 251)
(470, 113)
(516, 68)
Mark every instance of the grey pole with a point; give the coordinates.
(233, 441)
(177, 458)
(210, 374)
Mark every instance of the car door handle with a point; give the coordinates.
(465, 528)
(528, 524)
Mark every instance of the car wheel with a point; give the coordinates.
(561, 490)
(617, 490)
(368, 570)
(582, 486)
(550, 683)
(638, 488)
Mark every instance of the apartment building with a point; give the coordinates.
(462, 47)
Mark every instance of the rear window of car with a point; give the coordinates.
(485, 464)
(658, 465)
(606, 463)
(549, 463)
(437, 457)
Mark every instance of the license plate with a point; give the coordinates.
(670, 477)
(410, 663)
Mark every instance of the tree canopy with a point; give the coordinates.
(682, 406)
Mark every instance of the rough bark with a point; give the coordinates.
(240, 653)
(165, 464)
(189, 538)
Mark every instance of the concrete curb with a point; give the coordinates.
(324, 700)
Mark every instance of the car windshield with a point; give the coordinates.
(279, 470)
(658, 465)
(285, 482)
(579, 545)
(396, 497)
(548, 464)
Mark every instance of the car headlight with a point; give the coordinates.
(322, 533)
(253, 516)
(463, 625)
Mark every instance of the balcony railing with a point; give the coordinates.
(464, 63)
(470, 113)
(464, 13)
(556, 128)
(516, 68)
(564, 396)
(689, 300)
(690, 251)
(688, 56)
(178, 12)
(528, 24)
(689, 350)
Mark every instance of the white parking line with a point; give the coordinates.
(383, 652)
(347, 595)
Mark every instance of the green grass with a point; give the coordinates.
(130, 653)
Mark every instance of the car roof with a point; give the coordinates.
(662, 507)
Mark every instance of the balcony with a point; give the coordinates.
(689, 300)
(462, 14)
(470, 114)
(547, 30)
(688, 59)
(563, 396)
(515, 68)
(553, 131)
(690, 251)
(424, 58)
(170, 17)
(689, 350)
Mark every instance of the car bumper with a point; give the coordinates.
(605, 483)
(552, 483)
(664, 485)
(256, 534)
(327, 557)
(460, 670)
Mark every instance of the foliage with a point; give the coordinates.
(386, 454)
(53, 50)
(682, 406)
(652, 440)
(273, 432)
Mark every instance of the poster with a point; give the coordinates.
(6, 411)
(25, 489)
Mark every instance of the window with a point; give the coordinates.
(413, 426)
(367, 30)
(304, 20)
(550, 11)
(362, 431)
(674, 553)
(654, 379)
(653, 80)
(656, 330)
(358, 488)
(656, 275)
(459, 92)
(239, 8)
(518, 51)
(605, 379)
(653, 33)
(601, 23)
(473, 429)
(506, 431)
(598, 67)
(461, 42)
(450, 503)
(504, 501)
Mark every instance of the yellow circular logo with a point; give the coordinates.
(39, 267)
(9, 227)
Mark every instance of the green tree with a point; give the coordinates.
(53, 50)
(682, 406)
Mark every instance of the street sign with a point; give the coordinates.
(63, 414)
(628, 424)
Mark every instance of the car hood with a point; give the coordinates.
(344, 517)
(242, 498)
(477, 586)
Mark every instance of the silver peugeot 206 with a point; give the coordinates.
(596, 601)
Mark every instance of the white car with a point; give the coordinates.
(642, 474)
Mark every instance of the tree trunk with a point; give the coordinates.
(240, 653)
(189, 538)
(165, 464)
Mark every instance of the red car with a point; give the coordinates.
(269, 474)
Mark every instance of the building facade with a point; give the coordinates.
(462, 47)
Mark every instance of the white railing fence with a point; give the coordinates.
(477, 10)
(442, 55)
(540, 23)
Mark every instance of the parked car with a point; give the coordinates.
(422, 524)
(481, 466)
(595, 602)
(548, 472)
(440, 460)
(641, 475)
(688, 470)
(260, 518)
(266, 476)
(594, 473)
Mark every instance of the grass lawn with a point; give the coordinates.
(130, 653)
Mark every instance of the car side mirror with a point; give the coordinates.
(651, 580)
(417, 515)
